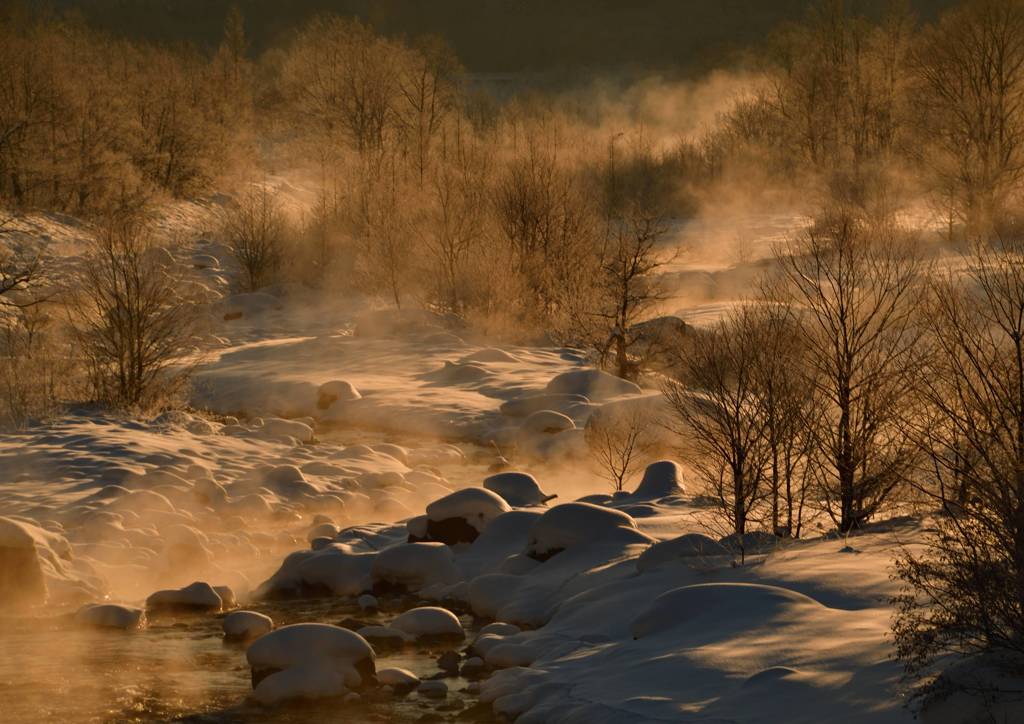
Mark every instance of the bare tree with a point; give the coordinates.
(856, 286)
(428, 93)
(255, 227)
(788, 405)
(965, 591)
(718, 411)
(132, 316)
(619, 438)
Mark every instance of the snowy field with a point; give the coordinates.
(345, 486)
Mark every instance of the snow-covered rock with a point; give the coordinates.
(517, 489)
(661, 479)
(572, 524)
(198, 596)
(546, 422)
(309, 660)
(415, 565)
(398, 679)
(246, 625)
(461, 516)
(110, 615)
(335, 391)
(593, 384)
(334, 570)
(29, 555)
(429, 621)
(278, 427)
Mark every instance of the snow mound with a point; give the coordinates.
(689, 545)
(570, 524)
(593, 384)
(491, 354)
(661, 479)
(518, 489)
(110, 615)
(335, 570)
(276, 427)
(198, 596)
(398, 678)
(528, 404)
(335, 391)
(546, 422)
(461, 516)
(36, 564)
(415, 565)
(246, 625)
(309, 660)
(717, 604)
(429, 621)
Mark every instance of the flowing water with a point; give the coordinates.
(179, 669)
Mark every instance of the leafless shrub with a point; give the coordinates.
(965, 591)
(133, 317)
(255, 227)
(620, 439)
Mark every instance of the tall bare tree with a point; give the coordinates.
(856, 284)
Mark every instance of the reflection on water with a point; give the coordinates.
(177, 669)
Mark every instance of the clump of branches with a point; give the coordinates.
(964, 592)
(134, 317)
(255, 227)
(620, 438)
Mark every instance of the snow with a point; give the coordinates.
(518, 489)
(308, 660)
(197, 596)
(661, 479)
(415, 565)
(246, 625)
(476, 506)
(398, 678)
(570, 524)
(429, 621)
(592, 384)
(687, 546)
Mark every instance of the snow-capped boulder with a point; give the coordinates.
(110, 615)
(517, 489)
(398, 679)
(309, 660)
(546, 422)
(593, 384)
(198, 596)
(334, 570)
(429, 621)
(335, 391)
(572, 524)
(21, 568)
(246, 625)
(661, 479)
(413, 566)
(687, 546)
(461, 516)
